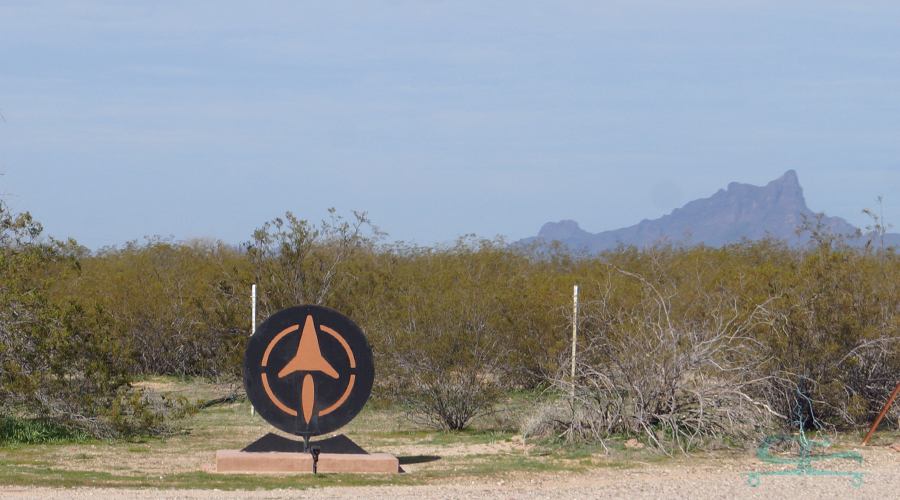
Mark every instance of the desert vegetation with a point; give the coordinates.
(680, 346)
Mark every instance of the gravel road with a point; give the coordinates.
(708, 481)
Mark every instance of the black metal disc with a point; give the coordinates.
(308, 370)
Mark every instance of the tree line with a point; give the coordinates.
(678, 343)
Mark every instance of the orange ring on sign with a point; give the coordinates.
(275, 341)
(343, 343)
(275, 400)
(346, 395)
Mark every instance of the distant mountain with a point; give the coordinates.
(741, 211)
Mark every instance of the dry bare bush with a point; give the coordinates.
(679, 372)
(871, 374)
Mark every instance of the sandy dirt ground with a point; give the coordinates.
(632, 475)
(706, 479)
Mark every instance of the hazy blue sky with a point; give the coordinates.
(206, 119)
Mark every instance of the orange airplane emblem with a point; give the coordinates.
(308, 359)
(309, 356)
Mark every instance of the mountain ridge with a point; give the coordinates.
(741, 211)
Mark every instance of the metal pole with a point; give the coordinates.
(574, 336)
(881, 415)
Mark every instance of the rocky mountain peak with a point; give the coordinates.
(740, 211)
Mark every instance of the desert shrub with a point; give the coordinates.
(295, 262)
(139, 413)
(690, 344)
(182, 308)
(834, 327)
(668, 331)
(450, 351)
(59, 362)
(165, 303)
(403, 292)
(666, 356)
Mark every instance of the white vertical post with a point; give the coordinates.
(253, 327)
(253, 296)
(574, 336)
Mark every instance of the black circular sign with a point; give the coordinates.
(308, 370)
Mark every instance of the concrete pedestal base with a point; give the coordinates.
(235, 461)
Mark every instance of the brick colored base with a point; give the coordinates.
(235, 461)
